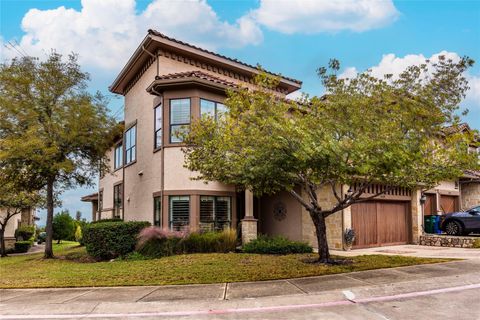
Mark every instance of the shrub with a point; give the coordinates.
(107, 220)
(224, 241)
(276, 245)
(25, 232)
(22, 246)
(154, 242)
(63, 226)
(476, 244)
(108, 240)
(78, 234)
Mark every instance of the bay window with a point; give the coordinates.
(215, 213)
(158, 126)
(157, 211)
(179, 118)
(179, 209)
(213, 109)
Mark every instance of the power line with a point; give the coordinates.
(19, 46)
(12, 47)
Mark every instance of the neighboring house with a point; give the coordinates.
(25, 218)
(166, 85)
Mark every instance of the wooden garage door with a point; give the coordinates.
(379, 223)
(448, 203)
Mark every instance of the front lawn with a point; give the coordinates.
(72, 269)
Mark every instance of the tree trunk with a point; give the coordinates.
(49, 226)
(3, 251)
(321, 231)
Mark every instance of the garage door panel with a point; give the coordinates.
(364, 218)
(392, 224)
(448, 203)
(379, 223)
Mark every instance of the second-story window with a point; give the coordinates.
(130, 145)
(212, 108)
(179, 118)
(118, 156)
(158, 126)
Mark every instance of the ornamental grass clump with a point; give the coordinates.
(154, 242)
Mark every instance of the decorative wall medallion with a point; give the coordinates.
(279, 211)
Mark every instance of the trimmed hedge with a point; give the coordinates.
(22, 246)
(106, 220)
(25, 232)
(276, 245)
(108, 240)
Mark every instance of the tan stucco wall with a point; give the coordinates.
(470, 195)
(12, 224)
(106, 185)
(290, 226)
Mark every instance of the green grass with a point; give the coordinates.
(67, 270)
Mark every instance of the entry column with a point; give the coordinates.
(249, 223)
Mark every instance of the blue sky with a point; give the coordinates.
(290, 37)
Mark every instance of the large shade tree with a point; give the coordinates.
(363, 131)
(52, 129)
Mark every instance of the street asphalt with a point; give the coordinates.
(447, 291)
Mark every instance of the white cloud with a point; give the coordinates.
(105, 32)
(314, 16)
(391, 64)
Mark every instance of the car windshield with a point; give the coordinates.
(475, 209)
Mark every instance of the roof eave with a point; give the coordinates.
(116, 86)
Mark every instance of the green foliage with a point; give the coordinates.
(224, 241)
(22, 246)
(476, 244)
(156, 243)
(276, 245)
(25, 232)
(107, 220)
(54, 133)
(63, 226)
(78, 235)
(109, 240)
(364, 131)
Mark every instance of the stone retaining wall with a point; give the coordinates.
(448, 241)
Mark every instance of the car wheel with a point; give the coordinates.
(453, 228)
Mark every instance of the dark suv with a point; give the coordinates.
(461, 223)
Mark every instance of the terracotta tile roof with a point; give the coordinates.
(159, 34)
(196, 74)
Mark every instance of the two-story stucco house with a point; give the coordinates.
(166, 85)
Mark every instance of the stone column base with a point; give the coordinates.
(249, 230)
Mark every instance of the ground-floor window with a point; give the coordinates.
(117, 201)
(157, 211)
(179, 209)
(215, 213)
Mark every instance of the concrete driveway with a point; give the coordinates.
(446, 290)
(415, 251)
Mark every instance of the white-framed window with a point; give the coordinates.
(215, 213)
(179, 118)
(214, 109)
(118, 155)
(158, 126)
(179, 210)
(130, 145)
